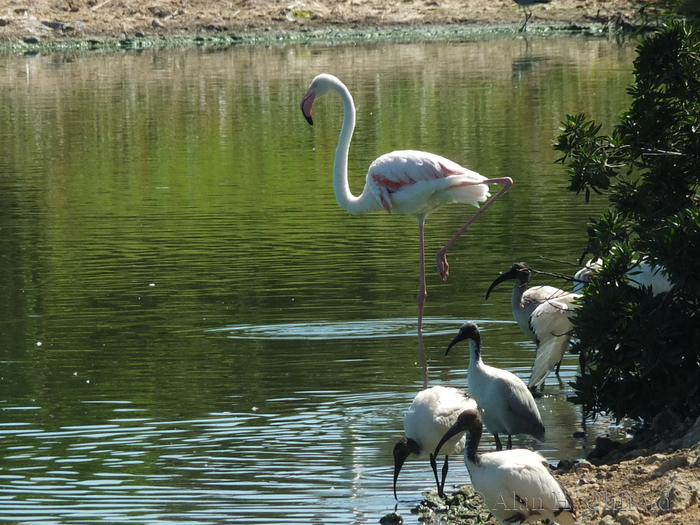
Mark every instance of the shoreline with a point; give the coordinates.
(395, 34)
(336, 36)
(57, 25)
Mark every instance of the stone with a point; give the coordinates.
(393, 518)
(681, 494)
(663, 421)
(584, 465)
(628, 517)
(603, 447)
(662, 447)
(656, 458)
(670, 464)
(607, 520)
(632, 454)
(160, 11)
(690, 438)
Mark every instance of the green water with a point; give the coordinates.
(192, 330)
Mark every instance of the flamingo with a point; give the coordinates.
(525, 4)
(410, 182)
(507, 404)
(516, 485)
(431, 414)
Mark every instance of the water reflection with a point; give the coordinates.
(192, 330)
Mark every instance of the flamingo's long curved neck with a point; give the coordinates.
(341, 186)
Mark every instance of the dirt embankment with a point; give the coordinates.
(36, 21)
(652, 479)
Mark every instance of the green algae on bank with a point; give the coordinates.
(464, 507)
(398, 34)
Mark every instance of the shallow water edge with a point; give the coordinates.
(337, 35)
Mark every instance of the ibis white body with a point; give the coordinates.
(508, 406)
(431, 414)
(516, 485)
(552, 326)
(642, 274)
(524, 300)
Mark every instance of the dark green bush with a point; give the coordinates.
(641, 353)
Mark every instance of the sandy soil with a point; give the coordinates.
(662, 487)
(654, 478)
(35, 21)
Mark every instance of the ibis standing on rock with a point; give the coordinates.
(507, 404)
(516, 485)
(431, 414)
(409, 182)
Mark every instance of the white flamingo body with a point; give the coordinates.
(551, 323)
(409, 182)
(516, 485)
(508, 406)
(418, 183)
(431, 414)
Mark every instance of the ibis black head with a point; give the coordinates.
(519, 271)
(468, 421)
(468, 331)
(404, 447)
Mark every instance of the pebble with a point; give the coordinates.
(393, 518)
(628, 517)
(585, 465)
(607, 520)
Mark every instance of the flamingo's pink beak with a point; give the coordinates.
(306, 104)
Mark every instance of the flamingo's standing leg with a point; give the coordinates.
(443, 267)
(422, 289)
